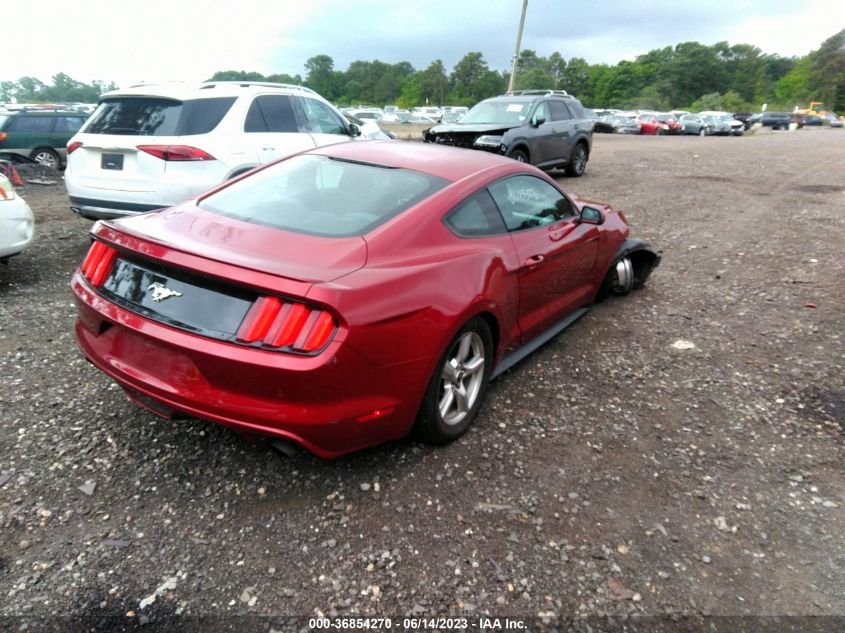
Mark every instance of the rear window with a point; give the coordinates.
(318, 195)
(150, 116)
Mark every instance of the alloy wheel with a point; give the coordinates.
(461, 378)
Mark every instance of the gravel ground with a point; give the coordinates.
(611, 473)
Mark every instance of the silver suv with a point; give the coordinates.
(154, 146)
(547, 128)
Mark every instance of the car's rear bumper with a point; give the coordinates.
(16, 227)
(332, 403)
(107, 209)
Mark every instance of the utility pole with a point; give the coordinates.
(512, 82)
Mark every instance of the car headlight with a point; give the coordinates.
(488, 140)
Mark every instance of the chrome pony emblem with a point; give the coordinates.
(161, 292)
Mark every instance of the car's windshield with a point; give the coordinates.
(323, 196)
(509, 111)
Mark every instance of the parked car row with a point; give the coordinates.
(660, 123)
(423, 115)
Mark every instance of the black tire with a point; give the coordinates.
(519, 156)
(47, 157)
(577, 164)
(432, 425)
(702, 132)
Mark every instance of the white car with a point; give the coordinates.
(726, 123)
(154, 146)
(17, 224)
(435, 114)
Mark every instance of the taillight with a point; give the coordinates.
(287, 324)
(176, 152)
(3, 136)
(72, 147)
(98, 263)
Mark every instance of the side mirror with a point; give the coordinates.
(538, 121)
(354, 130)
(589, 215)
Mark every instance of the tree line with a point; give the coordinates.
(688, 75)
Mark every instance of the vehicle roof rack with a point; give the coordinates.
(559, 93)
(265, 84)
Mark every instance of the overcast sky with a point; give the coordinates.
(157, 40)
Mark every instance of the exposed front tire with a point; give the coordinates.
(622, 276)
(457, 388)
(46, 157)
(577, 162)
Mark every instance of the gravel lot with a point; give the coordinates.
(609, 474)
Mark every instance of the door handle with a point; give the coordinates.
(534, 260)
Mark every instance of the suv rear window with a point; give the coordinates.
(151, 116)
(318, 195)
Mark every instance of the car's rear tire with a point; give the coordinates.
(46, 156)
(577, 162)
(457, 388)
(702, 132)
(519, 156)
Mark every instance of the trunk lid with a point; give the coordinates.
(297, 256)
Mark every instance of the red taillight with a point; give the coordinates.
(72, 147)
(3, 136)
(280, 324)
(176, 152)
(98, 263)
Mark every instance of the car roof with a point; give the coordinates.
(447, 162)
(15, 113)
(206, 89)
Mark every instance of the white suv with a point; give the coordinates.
(154, 146)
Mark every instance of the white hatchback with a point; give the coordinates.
(16, 221)
(154, 146)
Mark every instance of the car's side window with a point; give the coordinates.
(542, 112)
(69, 123)
(30, 124)
(527, 202)
(559, 111)
(271, 113)
(320, 119)
(476, 216)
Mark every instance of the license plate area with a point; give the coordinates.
(112, 161)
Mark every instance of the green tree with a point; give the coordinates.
(434, 83)
(320, 76)
(576, 76)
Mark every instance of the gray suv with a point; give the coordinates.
(547, 128)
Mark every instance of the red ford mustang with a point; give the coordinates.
(341, 297)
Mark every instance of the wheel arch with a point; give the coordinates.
(520, 146)
(643, 257)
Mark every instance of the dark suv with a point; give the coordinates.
(39, 134)
(774, 120)
(547, 128)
